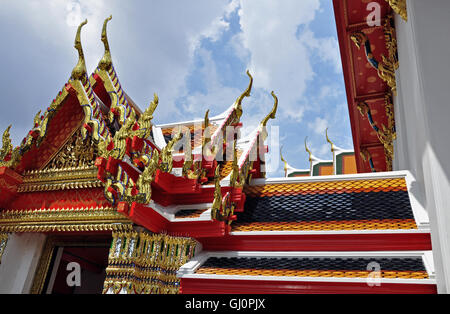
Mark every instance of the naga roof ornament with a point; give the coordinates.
(144, 121)
(333, 148)
(246, 93)
(273, 112)
(79, 72)
(283, 160)
(308, 151)
(6, 144)
(385, 68)
(8, 156)
(106, 62)
(237, 177)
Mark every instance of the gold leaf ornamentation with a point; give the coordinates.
(399, 7)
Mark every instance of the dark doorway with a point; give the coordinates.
(74, 265)
(87, 278)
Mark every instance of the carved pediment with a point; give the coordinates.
(72, 167)
(76, 153)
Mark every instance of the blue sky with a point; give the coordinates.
(194, 54)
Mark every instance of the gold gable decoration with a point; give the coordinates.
(76, 153)
(72, 167)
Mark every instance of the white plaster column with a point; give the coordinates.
(19, 262)
(422, 109)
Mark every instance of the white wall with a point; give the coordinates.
(19, 262)
(422, 109)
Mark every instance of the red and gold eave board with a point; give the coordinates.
(362, 81)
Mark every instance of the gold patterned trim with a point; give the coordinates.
(311, 273)
(144, 263)
(399, 7)
(3, 242)
(60, 179)
(63, 220)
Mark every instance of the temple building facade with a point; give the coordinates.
(98, 198)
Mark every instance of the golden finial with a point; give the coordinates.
(106, 62)
(308, 151)
(79, 71)
(328, 140)
(206, 120)
(152, 107)
(206, 133)
(282, 159)
(272, 113)
(246, 93)
(235, 168)
(217, 203)
(6, 144)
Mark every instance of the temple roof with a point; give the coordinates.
(94, 162)
(309, 272)
(350, 267)
(343, 162)
(329, 203)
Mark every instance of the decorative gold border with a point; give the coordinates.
(62, 145)
(64, 220)
(399, 7)
(3, 243)
(60, 179)
(51, 243)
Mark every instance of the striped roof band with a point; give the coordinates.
(327, 187)
(347, 207)
(383, 224)
(405, 267)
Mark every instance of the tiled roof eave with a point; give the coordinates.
(331, 232)
(189, 269)
(342, 177)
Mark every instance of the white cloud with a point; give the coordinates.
(217, 96)
(279, 61)
(329, 92)
(151, 46)
(325, 48)
(322, 151)
(319, 125)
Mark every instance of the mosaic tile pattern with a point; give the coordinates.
(407, 267)
(195, 140)
(327, 187)
(381, 204)
(189, 213)
(327, 225)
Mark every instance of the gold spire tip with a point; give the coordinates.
(106, 62)
(246, 93)
(328, 140)
(307, 150)
(273, 112)
(79, 71)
